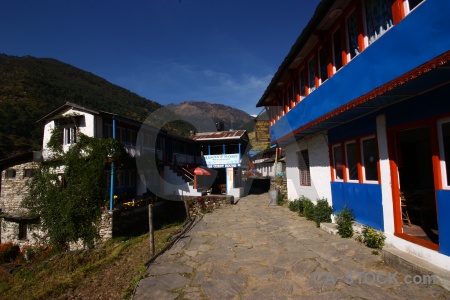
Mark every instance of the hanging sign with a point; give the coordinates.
(223, 160)
(262, 131)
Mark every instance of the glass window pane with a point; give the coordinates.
(352, 161)
(323, 65)
(352, 35)
(337, 162)
(337, 50)
(378, 18)
(370, 159)
(302, 84)
(311, 75)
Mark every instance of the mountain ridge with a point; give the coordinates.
(32, 87)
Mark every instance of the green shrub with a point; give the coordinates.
(344, 220)
(373, 238)
(294, 205)
(301, 205)
(9, 252)
(308, 209)
(322, 212)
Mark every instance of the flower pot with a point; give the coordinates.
(273, 196)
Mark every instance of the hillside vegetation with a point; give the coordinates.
(32, 87)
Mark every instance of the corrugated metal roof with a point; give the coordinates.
(219, 135)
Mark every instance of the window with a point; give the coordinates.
(412, 4)
(23, 231)
(337, 162)
(69, 135)
(303, 163)
(291, 96)
(121, 134)
(312, 75)
(378, 18)
(337, 50)
(10, 173)
(302, 84)
(323, 65)
(351, 161)
(132, 137)
(27, 173)
(352, 35)
(369, 159)
(444, 149)
(108, 131)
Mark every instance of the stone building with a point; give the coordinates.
(17, 171)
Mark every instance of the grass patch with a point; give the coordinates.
(111, 271)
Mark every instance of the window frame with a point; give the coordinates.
(346, 166)
(367, 38)
(23, 231)
(10, 171)
(69, 134)
(322, 52)
(333, 156)
(347, 35)
(338, 31)
(312, 88)
(363, 169)
(306, 171)
(302, 79)
(442, 162)
(29, 173)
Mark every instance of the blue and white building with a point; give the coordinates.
(361, 106)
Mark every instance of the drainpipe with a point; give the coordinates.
(111, 191)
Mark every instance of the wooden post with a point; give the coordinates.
(150, 229)
(185, 205)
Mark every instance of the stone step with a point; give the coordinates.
(413, 265)
(406, 263)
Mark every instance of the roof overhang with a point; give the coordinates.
(428, 77)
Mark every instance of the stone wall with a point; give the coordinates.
(198, 205)
(9, 232)
(14, 189)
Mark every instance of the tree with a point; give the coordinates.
(68, 189)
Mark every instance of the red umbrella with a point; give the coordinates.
(200, 171)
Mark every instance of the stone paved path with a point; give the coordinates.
(255, 251)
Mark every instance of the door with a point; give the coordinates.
(416, 216)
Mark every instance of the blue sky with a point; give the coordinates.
(168, 51)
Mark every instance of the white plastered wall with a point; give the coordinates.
(319, 168)
(87, 127)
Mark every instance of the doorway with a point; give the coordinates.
(416, 187)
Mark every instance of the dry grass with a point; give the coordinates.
(108, 272)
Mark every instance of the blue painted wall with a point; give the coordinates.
(420, 37)
(443, 207)
(363, 199)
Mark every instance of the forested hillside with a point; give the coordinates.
(32, 87)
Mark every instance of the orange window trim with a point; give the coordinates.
(398, 11)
